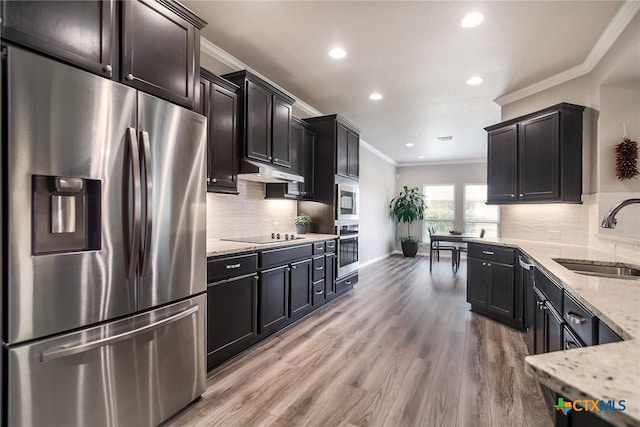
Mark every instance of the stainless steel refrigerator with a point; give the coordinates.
(104, 255)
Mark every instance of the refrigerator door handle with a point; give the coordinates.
(133, 234)
(146, 247)
(60, 352)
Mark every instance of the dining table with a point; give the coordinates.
(452, 238)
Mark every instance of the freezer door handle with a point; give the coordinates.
(133, 233)
(148, 202)
(60, 352)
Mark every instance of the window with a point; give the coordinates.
(477, 214)
(441, 208)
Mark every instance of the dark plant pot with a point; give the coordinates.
(409, 249)
(301, 228)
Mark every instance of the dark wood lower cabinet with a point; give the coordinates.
(273, 308)
(300, 289)
(232, 308)
(330, 276)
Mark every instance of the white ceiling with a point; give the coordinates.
(415, 54)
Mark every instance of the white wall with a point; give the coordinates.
(608, 105)
(377, 188)
(456, 174)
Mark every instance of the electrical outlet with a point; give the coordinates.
(554, 234)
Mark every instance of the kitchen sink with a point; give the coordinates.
(615, 270)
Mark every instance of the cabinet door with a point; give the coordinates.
(553, 333)
(306, 164)
(258, 125)
(232, 325)
(502, 158)
(202, 106)
(223, 139)
(79, 32)
(280, 143)
(477, 282)
(538, 144)
(296, 135)
(501, 295)
(158, 51)
(330, 275)
(300, 288)
(342, 150)
(353, 155)
(274, 290)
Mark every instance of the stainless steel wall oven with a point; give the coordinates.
(347, 247)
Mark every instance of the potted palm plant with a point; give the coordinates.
(408, 206)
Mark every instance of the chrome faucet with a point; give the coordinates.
(609, 220)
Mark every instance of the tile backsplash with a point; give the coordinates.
(248, 214)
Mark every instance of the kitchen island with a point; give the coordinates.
(602, 372)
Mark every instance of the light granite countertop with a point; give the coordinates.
(216, 247)
(605, 372)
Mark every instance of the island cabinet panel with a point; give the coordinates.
(151, 45)
(493, 289)
(536, 158)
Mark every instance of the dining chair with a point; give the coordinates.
(436, 247)
(462, 247)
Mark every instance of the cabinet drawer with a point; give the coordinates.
(318, 268)
(318, 248)
(346, 283)
(606, 335)
(492, 253)
(580, 320)
(281, 256)
(318, 292)
(223, 268)
(550, 289)
(330, 246)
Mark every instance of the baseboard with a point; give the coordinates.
(374, 260)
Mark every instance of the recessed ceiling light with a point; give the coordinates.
(476, 80)
(444, 138)
(375, 96)
(409, 144)
(337, 53)
(421, 157)
(471, 20)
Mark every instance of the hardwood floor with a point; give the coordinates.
(402, 349)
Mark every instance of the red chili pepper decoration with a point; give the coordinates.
(627, 159)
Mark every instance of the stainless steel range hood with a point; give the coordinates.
(261, 172)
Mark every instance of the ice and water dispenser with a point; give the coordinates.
(66, 214)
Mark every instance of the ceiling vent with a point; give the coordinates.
(444, 138)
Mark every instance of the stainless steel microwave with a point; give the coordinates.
(347, 204)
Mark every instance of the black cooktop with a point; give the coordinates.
(269, 238)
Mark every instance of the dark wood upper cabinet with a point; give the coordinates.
(152, 45)
(265, 120)
(536, 158)
(218, 101)
(302, 145)
(161, 49)
(82, 33)
(353, 155)
(337, 143)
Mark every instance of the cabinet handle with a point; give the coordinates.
(232, 266)
(573, 317)
(521, 195)
(130, 77)
(294, 267)
(256, 277)
(484, 263)
(275, 160)
(319, 268)
(214, 180)
(570, 345)
(488, 264)
(107, 69)
(488, 252)
(287, 269)
(512, 195)
(269, 158)
(348, 282)
(208, 180)
(319, 292)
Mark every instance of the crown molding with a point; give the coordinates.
(444, 162)
(378, 153)
(618, 24)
